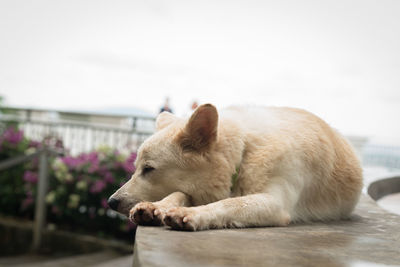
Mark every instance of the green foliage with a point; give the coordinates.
(78, 191)
(5, 111)
(12, 143)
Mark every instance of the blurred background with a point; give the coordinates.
(86, 79)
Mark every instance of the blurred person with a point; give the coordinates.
(194, 105)
(166, 106)
(192, 108)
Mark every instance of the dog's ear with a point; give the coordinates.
(164, 119)
(200, 131)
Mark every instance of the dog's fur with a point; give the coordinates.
(291, 166)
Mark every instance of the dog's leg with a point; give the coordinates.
(265, 209)
(152, 213)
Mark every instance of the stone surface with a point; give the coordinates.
(60, 248)
(387, 193)
(89, 259)
(370, 238)
(104, 258)
(125, 261)
(391, 203)
(16, 238)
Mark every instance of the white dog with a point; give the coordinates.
(246, 167)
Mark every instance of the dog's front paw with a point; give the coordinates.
(146, 213)
(181, 218)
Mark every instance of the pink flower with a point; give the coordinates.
(71, 162)
(131, 225)
(104, 203)
(97, 186)
(92, 212)
(12, 136)
(28, 201)
(30, 177)
(34, 144)
(90, 159)
(94, 167)
(128, 165)
(108, 178)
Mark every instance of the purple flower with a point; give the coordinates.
(29, 193)
(92, 212)
(28, 201)
(104, 203)
(90, 159)
(94, 167)
(34, 144)
(30, 177)
(108, 178)
(71, 162)
(128, 165)
(59, 143)
(97, 186)
(131, 225)
(12, 136)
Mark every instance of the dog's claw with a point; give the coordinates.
(174, 223)
(156, 212)
(179, 221)
(144, 214)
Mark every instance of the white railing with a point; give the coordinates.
(80, 136)
(379, 155)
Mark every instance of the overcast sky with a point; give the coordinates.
(338, 59)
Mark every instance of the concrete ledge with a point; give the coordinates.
(16, 238)
(370, 237)
(384, 187)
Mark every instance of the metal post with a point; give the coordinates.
(134, 124)
(40, 206)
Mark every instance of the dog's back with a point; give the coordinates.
(296, 147)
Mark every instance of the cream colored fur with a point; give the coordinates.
(292, 167)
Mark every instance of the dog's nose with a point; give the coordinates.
(113, 203)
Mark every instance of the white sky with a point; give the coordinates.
(338, 59)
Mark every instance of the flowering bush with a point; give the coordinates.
(78, 190)
(12, 190)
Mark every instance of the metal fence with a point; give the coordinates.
(79, 137)
(42, 186)
(378, 155)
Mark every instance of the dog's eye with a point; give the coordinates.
(147, 169)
